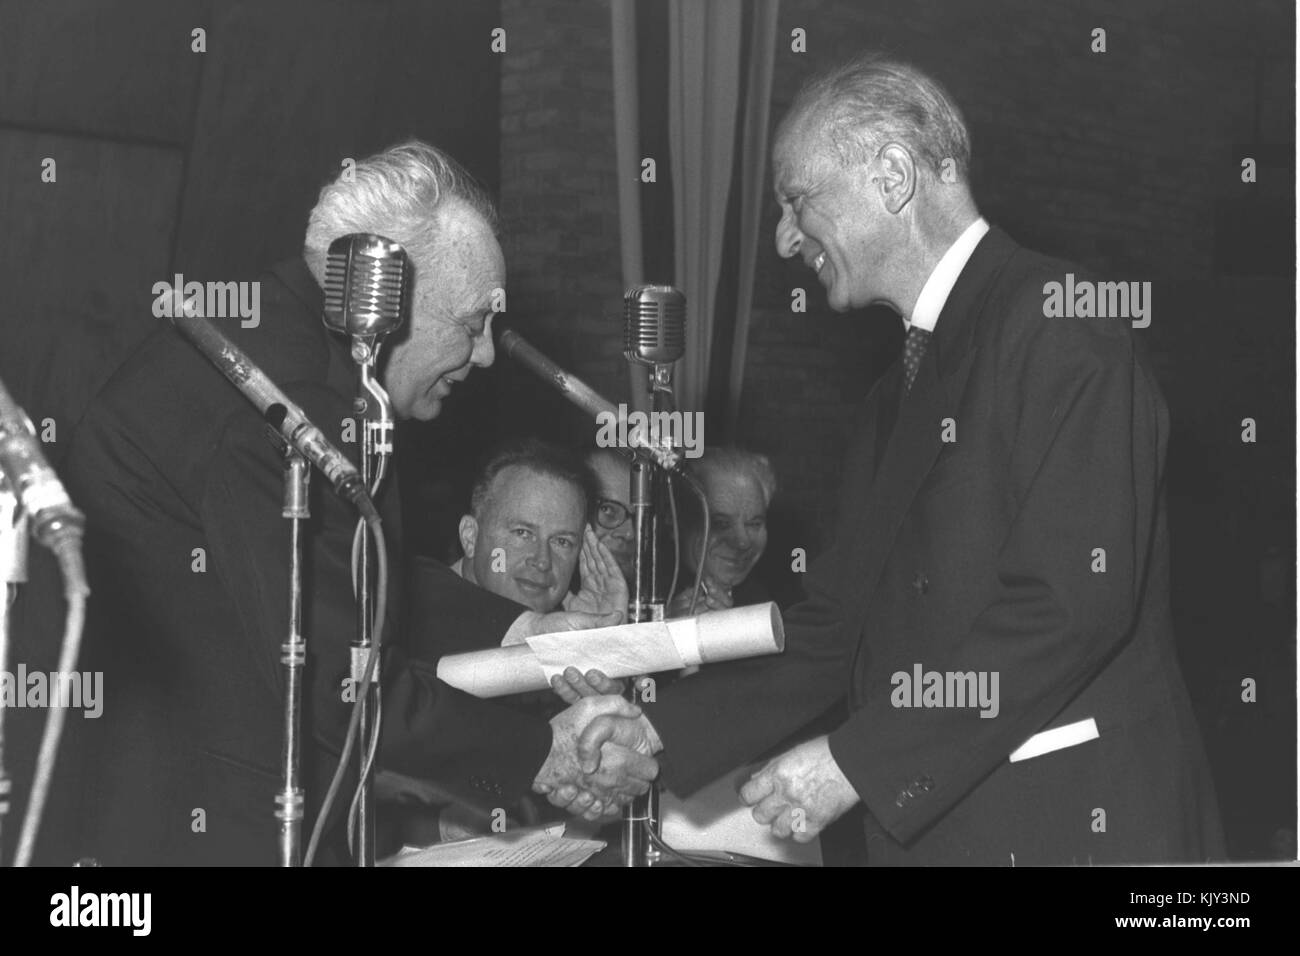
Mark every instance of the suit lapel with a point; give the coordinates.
(887, 397)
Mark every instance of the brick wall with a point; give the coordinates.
(559, 202)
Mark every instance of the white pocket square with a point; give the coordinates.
(1058, 738)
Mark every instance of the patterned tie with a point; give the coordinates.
(912, 351)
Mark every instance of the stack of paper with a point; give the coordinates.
(531, 847)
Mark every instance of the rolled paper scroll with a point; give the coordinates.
(627, 650)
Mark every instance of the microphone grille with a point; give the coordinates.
(367, 278)
(654, 324)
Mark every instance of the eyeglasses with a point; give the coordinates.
(611, 514)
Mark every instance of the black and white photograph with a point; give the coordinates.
(648, 433)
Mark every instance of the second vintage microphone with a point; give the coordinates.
(581, 394)
(281, 413)
(654, 327)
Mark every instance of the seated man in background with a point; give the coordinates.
(739, 486)
(612, 469)
(528, 511)
(527, 531)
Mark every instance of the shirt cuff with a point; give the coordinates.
(523, 627)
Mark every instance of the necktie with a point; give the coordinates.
(913, 349)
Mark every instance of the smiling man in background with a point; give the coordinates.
(526, 524)
(739, 486)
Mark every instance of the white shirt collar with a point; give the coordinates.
(937, 288)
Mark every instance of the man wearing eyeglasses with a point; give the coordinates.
(613, 513)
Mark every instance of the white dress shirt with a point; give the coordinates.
(936, 289)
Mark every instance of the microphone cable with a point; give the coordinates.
(349, 741)
(358, 538)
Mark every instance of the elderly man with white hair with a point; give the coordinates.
(188, 558)
(739, 486)
(1002, 521)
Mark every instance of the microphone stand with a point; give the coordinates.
(13, 572)
(366, 284)
(646, 603)
(373, 403)
(293, 655)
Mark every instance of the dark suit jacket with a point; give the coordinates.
(977, 555)
(189, 561)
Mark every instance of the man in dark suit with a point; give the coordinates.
(189, 556)
(996, 607)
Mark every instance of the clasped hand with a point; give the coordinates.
(800, 792)
(598, 760)
(602, 749)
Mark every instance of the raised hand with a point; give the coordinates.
(713, 597)
(610, 774)
(801, 792)
(603, 589)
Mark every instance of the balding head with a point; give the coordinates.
(871, 169)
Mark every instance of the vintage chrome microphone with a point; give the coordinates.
(654, 336)
(367, 287)
(654, 331)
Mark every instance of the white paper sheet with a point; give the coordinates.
(531, 847)
(713, 818)
(641, 649)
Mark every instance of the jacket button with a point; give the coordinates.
(902, 798)
(924, 784)
(920, 583)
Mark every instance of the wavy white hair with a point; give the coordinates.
(397, 194)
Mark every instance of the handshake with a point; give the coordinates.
(602, 756)
(602, 748)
